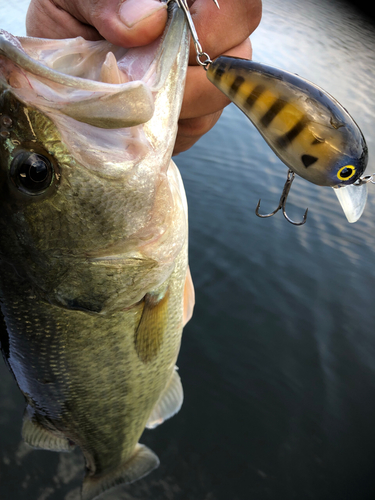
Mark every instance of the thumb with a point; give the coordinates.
(127, 23)
(134, 23)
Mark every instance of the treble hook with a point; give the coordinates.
(283, 198)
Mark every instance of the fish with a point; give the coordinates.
(95, 287)
(307, 128)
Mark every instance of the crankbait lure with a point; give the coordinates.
(307, 128)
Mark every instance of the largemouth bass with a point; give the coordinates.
(94, 280)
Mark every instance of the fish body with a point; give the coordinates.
(94, 280)
(307, 128)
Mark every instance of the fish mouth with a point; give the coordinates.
(93, 82)
(352, 199)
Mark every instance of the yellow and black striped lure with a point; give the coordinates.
(307, 128)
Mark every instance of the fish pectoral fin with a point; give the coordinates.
(37, 436)
(169, 402)
(189, 297)
(140, 464)
(150, 332)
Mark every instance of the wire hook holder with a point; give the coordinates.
(203, 59)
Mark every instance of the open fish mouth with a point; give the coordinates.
(113, 107)
(93, 82)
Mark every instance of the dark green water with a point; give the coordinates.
(278, 363)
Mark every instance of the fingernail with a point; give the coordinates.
(133, 11)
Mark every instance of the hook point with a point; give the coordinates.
(282, 202)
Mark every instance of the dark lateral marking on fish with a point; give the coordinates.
(239, 80)
(253, 96)
(292, 134)
(308, 160)
(95, 304)
(4, 341)
(150, 332)
(219, 72)
(272, 112)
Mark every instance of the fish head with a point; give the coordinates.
(346, 173)
(338, 154)
(340, 149)
(334, 151)
(87, 131)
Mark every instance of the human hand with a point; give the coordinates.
(139, 22)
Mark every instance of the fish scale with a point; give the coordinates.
(89, 394)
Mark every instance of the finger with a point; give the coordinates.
(45, 19)
(128, 24)
(135, 23)
(191, 130)
(236, 19)
(201, 97)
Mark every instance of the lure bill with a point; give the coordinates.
(306, 128)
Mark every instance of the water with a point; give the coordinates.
(278, 363)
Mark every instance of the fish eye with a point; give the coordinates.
(346, 172)
(32, 173)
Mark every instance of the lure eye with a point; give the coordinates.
(346, 172)
(32, 173)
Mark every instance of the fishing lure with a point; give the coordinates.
(307, 128)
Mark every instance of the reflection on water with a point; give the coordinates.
(278, 364)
